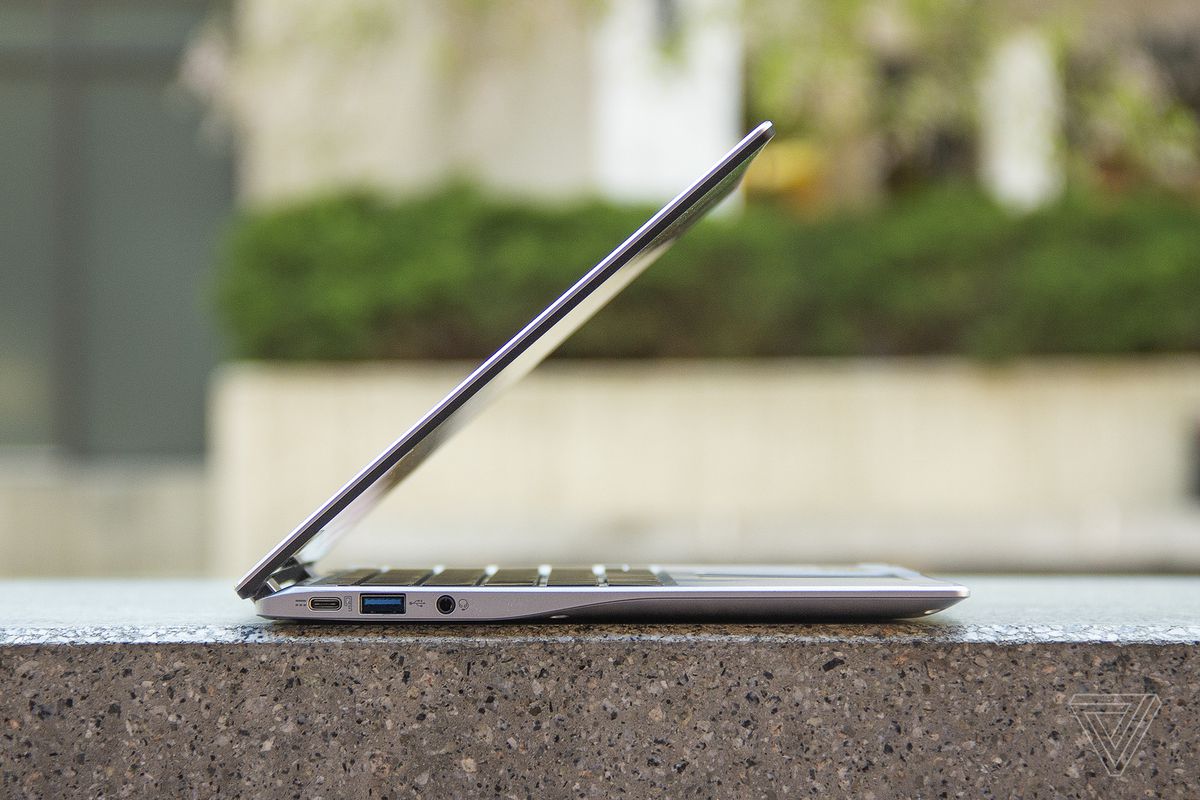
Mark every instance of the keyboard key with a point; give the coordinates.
(571, 576)
(396, 577)
(455, 577)
(344, 577)
(633, 577)
(514, 576)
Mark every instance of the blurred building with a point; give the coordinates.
(622, 98)
(110, 211)
(111, 208)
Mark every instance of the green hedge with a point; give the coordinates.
(455, 273)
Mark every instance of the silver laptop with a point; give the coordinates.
(287, 583)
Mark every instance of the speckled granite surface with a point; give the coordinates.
(174, 689)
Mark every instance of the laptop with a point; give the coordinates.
(288, 584)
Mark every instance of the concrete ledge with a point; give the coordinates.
(175, 689)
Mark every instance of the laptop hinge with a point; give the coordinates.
(289, 573)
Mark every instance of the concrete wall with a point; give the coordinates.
(1046, 465)
(122, 518)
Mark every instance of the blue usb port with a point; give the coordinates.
(381, 604)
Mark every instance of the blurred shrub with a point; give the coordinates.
(454, 274)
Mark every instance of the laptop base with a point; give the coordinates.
(685, 593)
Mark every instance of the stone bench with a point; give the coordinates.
(175, 689)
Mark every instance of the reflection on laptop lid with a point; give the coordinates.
(313, 537)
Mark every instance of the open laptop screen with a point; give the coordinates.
(313, 537)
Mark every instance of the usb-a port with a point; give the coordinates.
(381, 604)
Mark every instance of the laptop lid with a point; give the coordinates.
(312, 538)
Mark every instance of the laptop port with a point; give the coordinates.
(381, 604)
(324, 603)
(445, 604)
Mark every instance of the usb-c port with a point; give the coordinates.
(325, 603)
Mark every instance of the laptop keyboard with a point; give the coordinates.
(614, 576)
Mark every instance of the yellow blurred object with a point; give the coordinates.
(792, 170)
